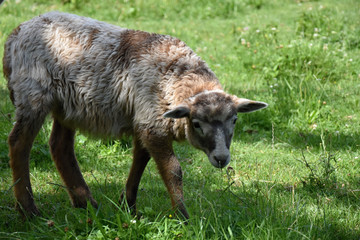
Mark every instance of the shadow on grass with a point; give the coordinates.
(301, 140)
(246, 209)
(265, 207)
(251, 209)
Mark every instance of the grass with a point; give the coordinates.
(295, 166)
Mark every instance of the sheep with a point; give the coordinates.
(108, 81)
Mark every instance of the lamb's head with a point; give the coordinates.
(211, 118)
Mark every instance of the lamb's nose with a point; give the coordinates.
(222, 160)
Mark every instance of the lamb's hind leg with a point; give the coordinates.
(20, 141)
(62, 151)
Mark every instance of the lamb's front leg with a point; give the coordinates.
(170, 170)
(140, 160)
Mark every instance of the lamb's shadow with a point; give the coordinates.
(234, 205)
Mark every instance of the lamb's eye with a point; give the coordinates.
(196, 125)
(234, 121)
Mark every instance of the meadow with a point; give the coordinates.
(295, 168)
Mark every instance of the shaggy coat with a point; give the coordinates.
(109, 81)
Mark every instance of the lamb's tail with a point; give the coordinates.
(7, 66)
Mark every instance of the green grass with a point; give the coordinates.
(295, 170)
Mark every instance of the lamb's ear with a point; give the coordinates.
(178, 112)
(244, 105)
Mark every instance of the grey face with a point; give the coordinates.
(211, 121)
(214, 138)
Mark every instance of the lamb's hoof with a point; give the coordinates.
(125, 205)
(28, 212)
(84, 203)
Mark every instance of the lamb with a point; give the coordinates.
(108, 81)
